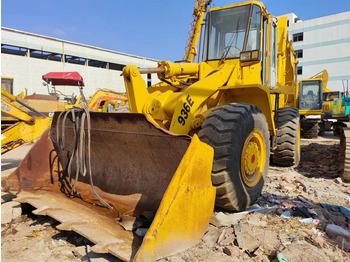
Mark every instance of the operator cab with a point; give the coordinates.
(240, 34)
(310, 95)
(230, 32)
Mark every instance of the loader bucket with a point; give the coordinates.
(143, 179)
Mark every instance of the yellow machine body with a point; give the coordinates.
(27, 129)
(214, 82)
(101, 99)
(22, 132)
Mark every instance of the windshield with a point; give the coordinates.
(226, 32)
(310, 95)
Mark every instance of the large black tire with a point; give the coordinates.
(310, 128)
(237, 132)
(287, 152)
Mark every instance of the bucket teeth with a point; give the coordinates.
(67, 225)
(43, 211)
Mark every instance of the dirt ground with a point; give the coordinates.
(302, 215)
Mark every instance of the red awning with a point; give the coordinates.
(64, 78)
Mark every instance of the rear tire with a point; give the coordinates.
(239, 135)
(287, 152)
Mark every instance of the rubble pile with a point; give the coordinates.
(302, 215)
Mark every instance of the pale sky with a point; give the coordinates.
(154, 28)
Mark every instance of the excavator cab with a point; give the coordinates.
(311, 95)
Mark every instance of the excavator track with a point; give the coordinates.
(345, 152)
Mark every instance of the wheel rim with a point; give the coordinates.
(253, 158)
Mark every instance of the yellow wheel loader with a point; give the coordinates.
(142, 185)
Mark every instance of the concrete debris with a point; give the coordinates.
(259, 251)
(80, 252)
(257, 220)
(247, 242)
(306, 252)
(222, 235)
(211, 237)
(233, 251)
(261, 258)
(10, 211)
(229, 240)
(175, 259)
(227, 220)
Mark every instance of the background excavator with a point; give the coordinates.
(311, 104)
(28, 127)
(142, 185)
(101, 100)
(45, 104)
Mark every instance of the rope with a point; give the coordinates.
(82, 147)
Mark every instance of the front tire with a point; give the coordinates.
(239, 135)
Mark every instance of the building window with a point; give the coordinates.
(75, 60)
(7, 85)
(298, 37)
(96, 63)
(287, 23)
(299, 53)
(118, 67)
(299, 70)
(13, 50)
(55, 57)
(45, 55)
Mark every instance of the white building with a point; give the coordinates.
(322, 43)
(26, 57)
